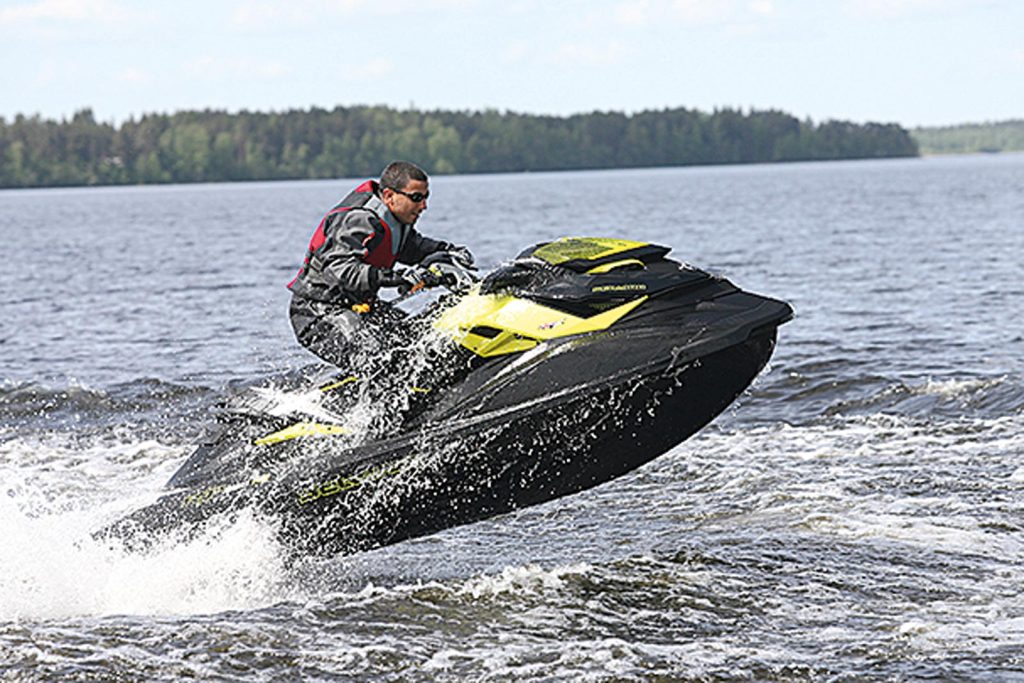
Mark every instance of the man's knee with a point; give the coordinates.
(328, 336)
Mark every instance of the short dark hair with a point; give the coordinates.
(397, 174)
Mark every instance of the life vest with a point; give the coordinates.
(380, 248)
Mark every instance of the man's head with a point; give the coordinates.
(404, 190)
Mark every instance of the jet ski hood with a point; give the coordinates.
(574, 286)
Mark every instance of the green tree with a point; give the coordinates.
(193, 146)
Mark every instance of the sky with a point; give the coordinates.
(912, 62)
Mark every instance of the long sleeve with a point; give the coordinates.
(343, 252)
(417, 247)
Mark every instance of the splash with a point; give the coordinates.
(369, 397)
(55, 495)
(530, 579)
(50, 568)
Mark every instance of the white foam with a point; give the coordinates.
(846, 478)
(50, 567)
(941, 494)
(520, 580)
(604, 658)
(55, 494)
(946, 532)
(964, 628)
(51, 473)
(952, 388)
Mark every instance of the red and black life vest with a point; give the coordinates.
(380, 248)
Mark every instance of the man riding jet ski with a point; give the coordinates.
(569, 366)
(351, 256)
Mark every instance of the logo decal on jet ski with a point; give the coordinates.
(340, 484)
(627, 287)
(551, 325)
(204, 496)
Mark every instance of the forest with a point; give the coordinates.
(968, 138)
(211, 146)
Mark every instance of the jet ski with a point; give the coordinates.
(567, 367)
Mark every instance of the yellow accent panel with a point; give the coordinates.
(587, 248)
(521, 324)
(504, 343)
(299, 430)
(608, 267)
(601, 321)
(339, 383)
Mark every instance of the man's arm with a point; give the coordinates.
(343, 264)
(417, 247)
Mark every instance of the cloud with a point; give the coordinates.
(891, 8)
(515, 52)
(211, 69)
(645, 13)
(271, 14)
(589, 54)
(632, 13)
(48, 72)
(256, 15)
(371, 70)
(133, 75)
(702, 11)
(259, 15)
(65, 11)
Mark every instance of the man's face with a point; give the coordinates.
(402, 205)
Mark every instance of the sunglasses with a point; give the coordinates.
(417, 197)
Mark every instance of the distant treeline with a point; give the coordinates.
(194, 146)
(1004, 136)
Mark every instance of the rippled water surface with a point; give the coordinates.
(857, 515)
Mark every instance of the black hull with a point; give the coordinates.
(354, 499)
(523, 458)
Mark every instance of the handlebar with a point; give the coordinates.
(444, 269)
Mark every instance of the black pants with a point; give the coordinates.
(336, 333)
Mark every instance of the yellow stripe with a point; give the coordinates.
(299, 430)
(608, 267)
(340, 383)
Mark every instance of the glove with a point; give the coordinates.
(418, 277)
(461, 255)
(389, 278)
(408, 280)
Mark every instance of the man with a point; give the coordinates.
(351, 256)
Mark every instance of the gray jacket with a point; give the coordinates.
(354, 242)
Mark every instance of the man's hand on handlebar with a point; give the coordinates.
(409, 280)
(462, 256)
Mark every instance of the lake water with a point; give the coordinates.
(857, 515)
